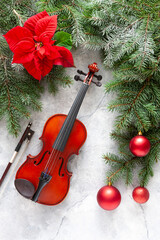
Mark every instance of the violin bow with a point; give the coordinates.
(28, 133)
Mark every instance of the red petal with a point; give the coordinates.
(51, 52)
(67, 58)
(41, 52)
(15, 35)
(39, 68)
(46, 66)
(33, 68)
(58, 61)
(46, 26)
(31, 22)
(24, 52)
(45, 39)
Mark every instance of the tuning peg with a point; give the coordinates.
(99, 77)
(81, 72)
(98, 84)
(77, 78)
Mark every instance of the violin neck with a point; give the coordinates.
(67, 126)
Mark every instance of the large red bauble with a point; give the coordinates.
(140, 194)
(139, 146)
(108, 197)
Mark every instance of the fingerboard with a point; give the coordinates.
(67, 126)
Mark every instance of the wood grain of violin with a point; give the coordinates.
(44, 178)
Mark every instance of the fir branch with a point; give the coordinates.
(122, 120)
(57, 77)
(124, 166)
(108, 158)
(134, 22)
(16, 96)
(145, 42)
(21, 22)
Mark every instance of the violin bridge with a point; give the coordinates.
(43, 180)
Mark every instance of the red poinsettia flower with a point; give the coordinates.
(32, 45)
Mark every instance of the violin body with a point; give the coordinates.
(57, 188)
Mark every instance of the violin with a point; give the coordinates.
(44, 178)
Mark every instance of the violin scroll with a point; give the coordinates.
(93, 67)
(89, 76)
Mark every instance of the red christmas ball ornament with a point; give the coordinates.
(108, 197)
(140, 194)
(139, 145)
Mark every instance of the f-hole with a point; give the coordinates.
(41, 158)
(61, 175)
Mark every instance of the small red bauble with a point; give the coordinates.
(139, 146)
(108, 197)
(140, 194)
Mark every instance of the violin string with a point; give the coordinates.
(71, 122)
(50, 165)
(51, 159)
(60, 140)
(54, 162)
(54, 149)
(56, 157)
(58, 153)
(51, 155)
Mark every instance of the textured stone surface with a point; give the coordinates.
(78, 216)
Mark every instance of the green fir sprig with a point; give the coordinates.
(57, 77)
